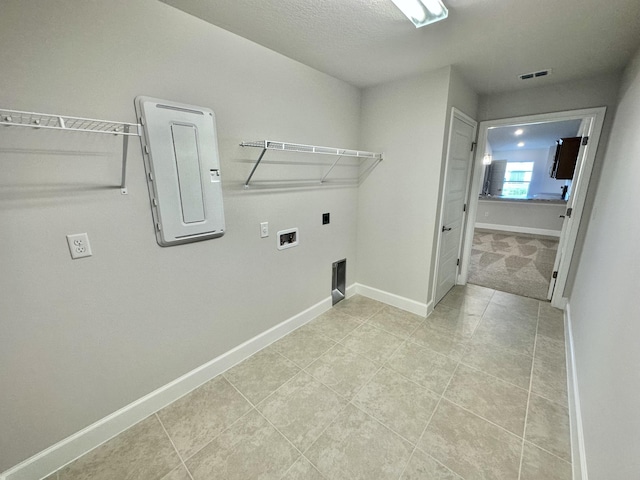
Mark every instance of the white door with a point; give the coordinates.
(456, 182)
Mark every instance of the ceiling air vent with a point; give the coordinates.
(541, 73)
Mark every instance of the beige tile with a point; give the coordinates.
(334, 324)
(516, 302)
(53, 476)
(358, 447)
(195, 419)
(343, 370)
(303, 470)
(550, 381)
(489, 397)
(552, 328)
(551, 350)
(548, 426)
(250, 448)
(504, 364)
(547, 311)
(301, 409)
(398, 403)
(359, 307)
(179, 473)
(453, 320)
(303, 346)
(372, 342)
(260, 375)
(460, 292)
(143, 451)
(498, 315)
(438, 340)
(508, 337)
(540, 465)
(396, 321)
(423, 366)
(423, 467)
(471, 446)
(469, 304)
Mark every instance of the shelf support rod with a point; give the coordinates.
(330, 168)
(246, 184)
(125, 149)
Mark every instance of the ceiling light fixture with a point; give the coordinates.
(518, 132)
(422, 12)
(521, 144)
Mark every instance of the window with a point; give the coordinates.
(517, 177)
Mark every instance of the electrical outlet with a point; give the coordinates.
(486, 214)
(79, 245)
(326, 218)
(264, 229)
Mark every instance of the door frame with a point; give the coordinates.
(582, 180)
(460, 115)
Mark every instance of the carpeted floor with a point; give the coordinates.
(514, 263)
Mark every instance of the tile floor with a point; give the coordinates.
(367, 391)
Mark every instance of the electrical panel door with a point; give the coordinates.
(180, 149)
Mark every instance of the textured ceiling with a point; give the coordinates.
(534, 135)
(367, 42)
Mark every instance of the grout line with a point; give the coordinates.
(493, 376)
(429, 423)
(226, 429)
(547, 451)
(174, 447)
(526, 415)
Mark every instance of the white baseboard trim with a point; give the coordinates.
(578, 452)
(514, 229)
(394, 300)
(78, 444)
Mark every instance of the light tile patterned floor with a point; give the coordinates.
(367, 391)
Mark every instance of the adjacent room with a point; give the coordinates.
(286, 239)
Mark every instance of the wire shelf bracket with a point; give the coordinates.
(300, 148)
(17, 118)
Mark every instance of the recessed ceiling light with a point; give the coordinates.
(422, 12)
(518, 132)
(521, 144)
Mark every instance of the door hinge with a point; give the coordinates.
(555, 274)
(569, 212)
(458, 263)
(464, 207)
(585, 140)
(473, 146)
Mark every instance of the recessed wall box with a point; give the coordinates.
(180, 150)
(287, 238)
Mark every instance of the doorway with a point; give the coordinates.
(589, 126)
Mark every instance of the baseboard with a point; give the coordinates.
(394, 300)
(78, 444)
(515, 229)
(578, 454)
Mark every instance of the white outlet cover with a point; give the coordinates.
(79, 246)
(264, 229)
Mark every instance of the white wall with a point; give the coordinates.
(541, 218)
(397, 206)
(598, 91)
(81, 339)
(604, 304)
(404, 119)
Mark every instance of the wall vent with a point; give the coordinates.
(540, 73)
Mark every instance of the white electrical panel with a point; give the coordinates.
(181, 159)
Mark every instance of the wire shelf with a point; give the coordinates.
(298, 147)
(16, 118)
